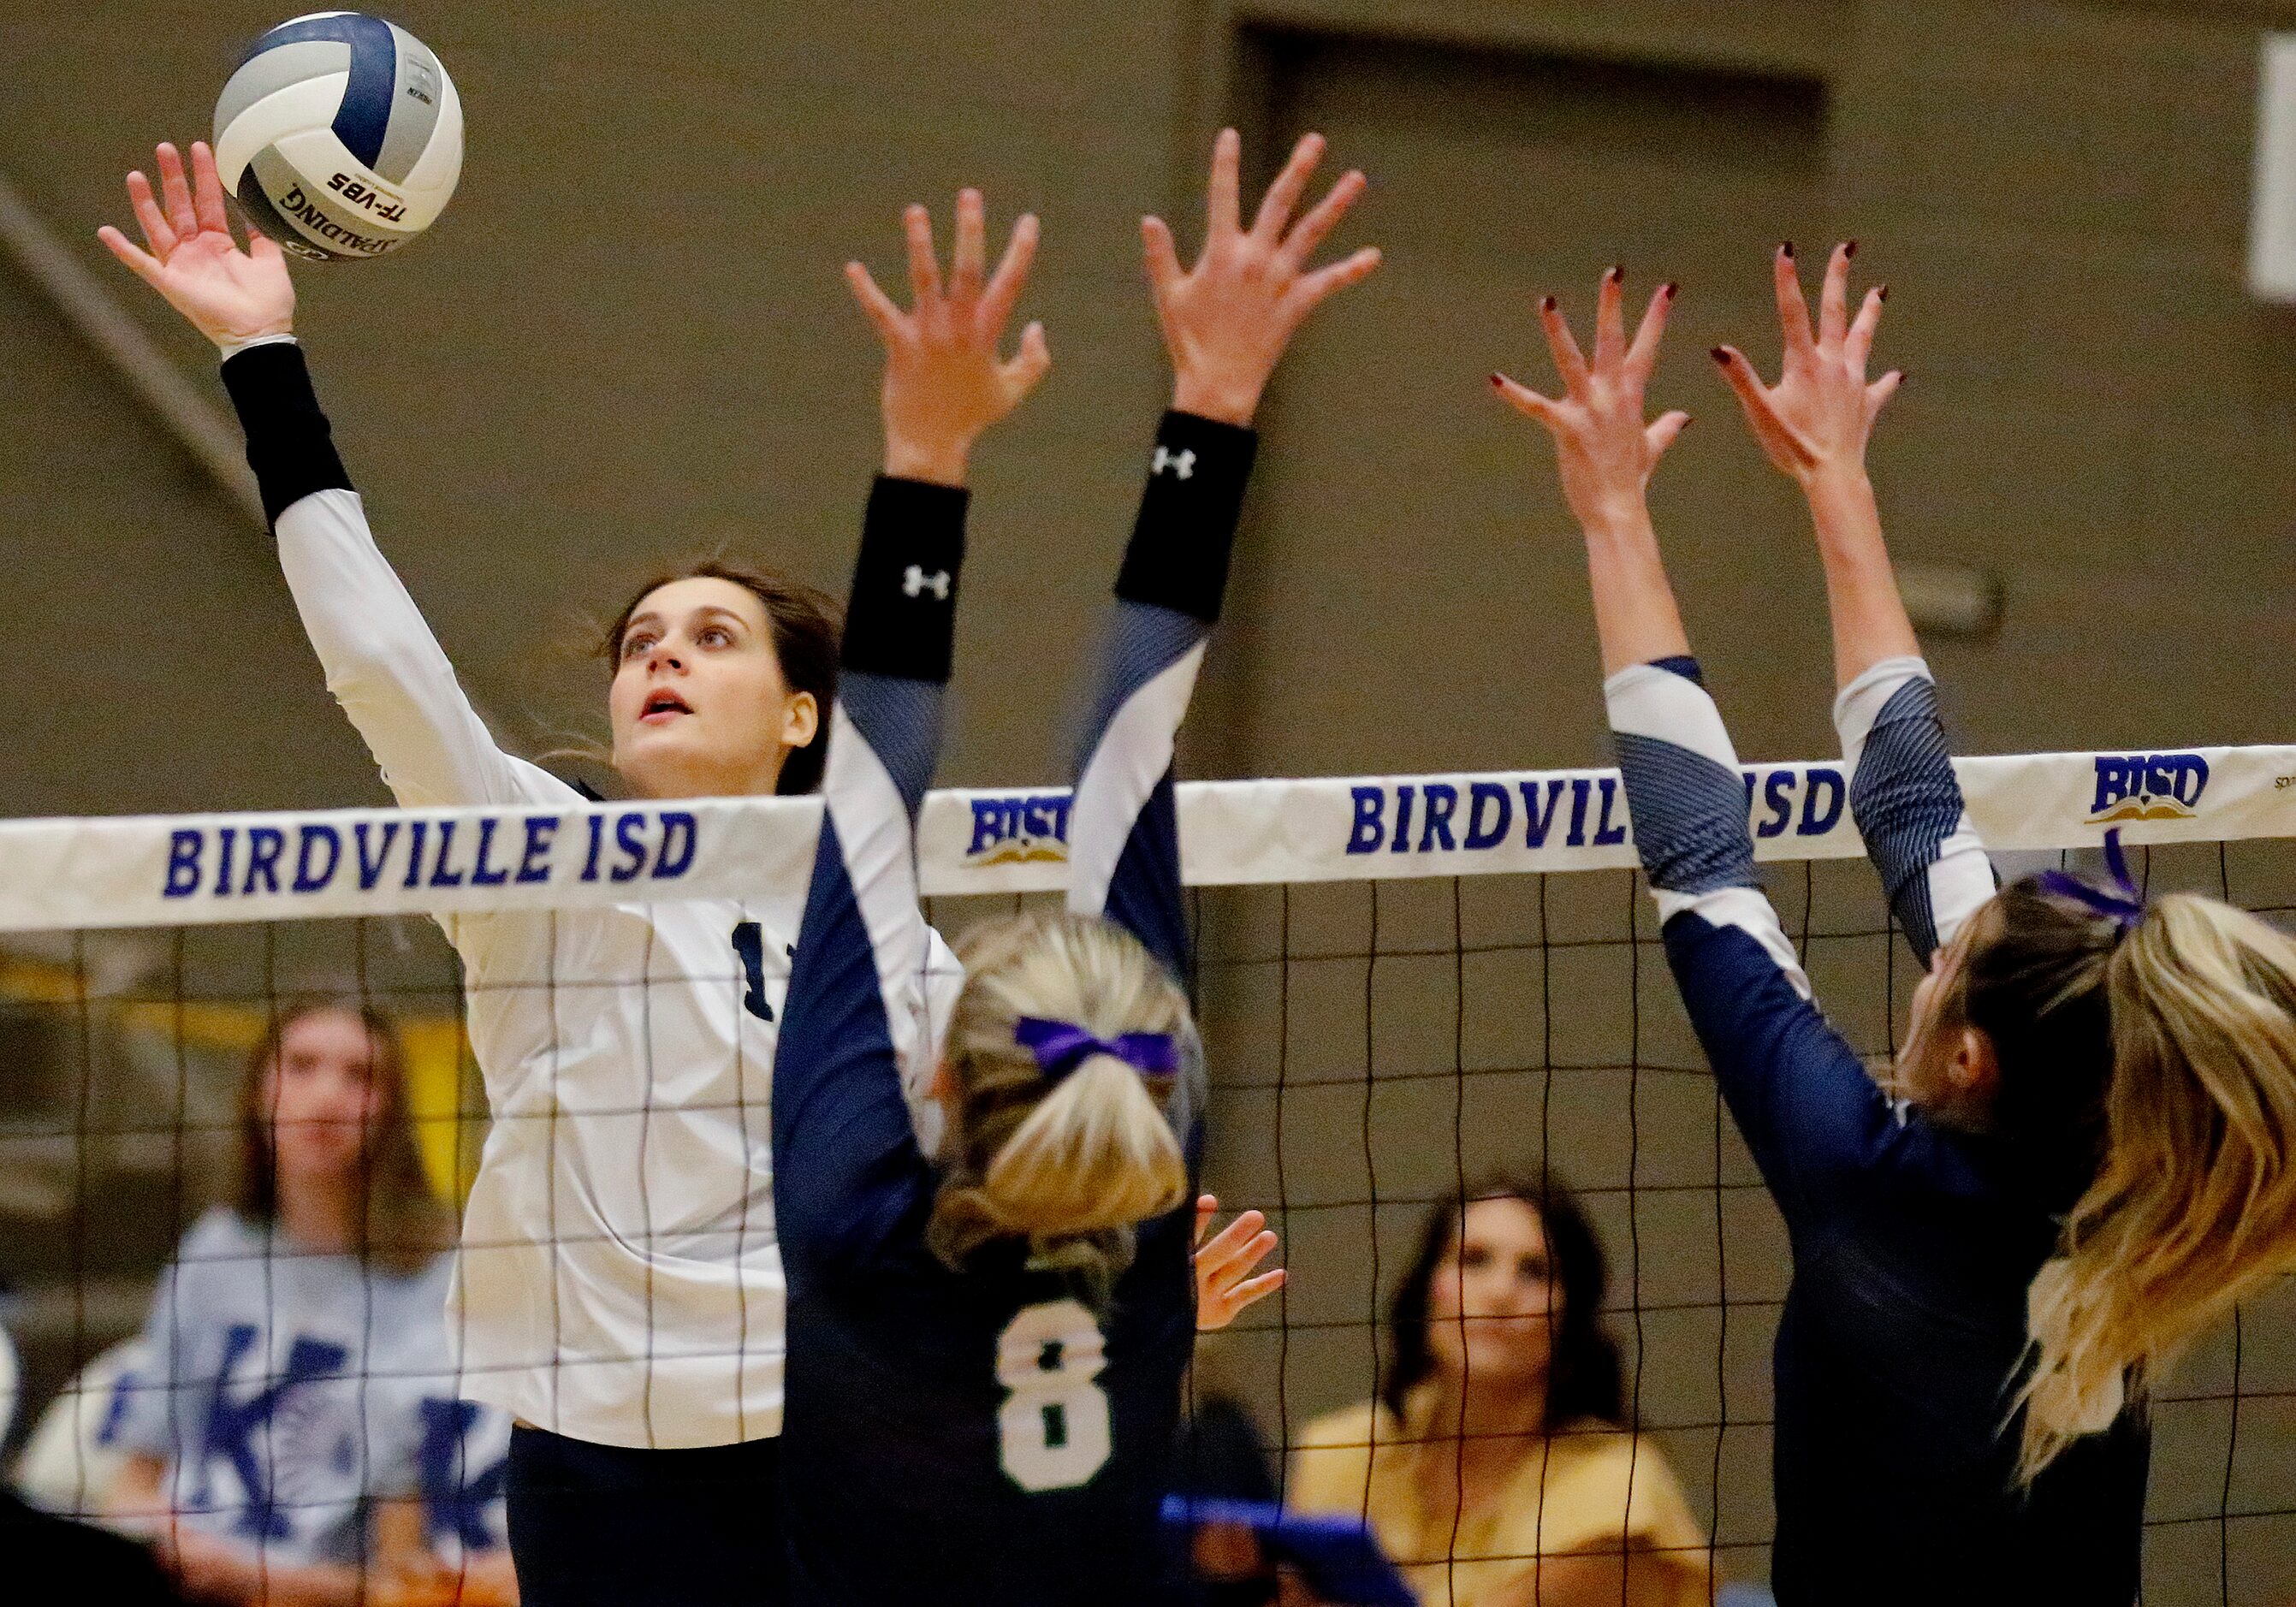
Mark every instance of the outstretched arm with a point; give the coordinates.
(848, 1174)
(1808, 1112)
(382, 664)
(1226, 323)
(1813, 424)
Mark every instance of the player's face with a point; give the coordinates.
(1495, 1298)
(322, 1098)
(699, 704)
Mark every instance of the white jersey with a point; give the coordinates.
(618, 1281)
(279, 1385)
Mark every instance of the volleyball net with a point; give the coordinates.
(1409, 987)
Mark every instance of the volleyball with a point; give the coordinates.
(341, 136)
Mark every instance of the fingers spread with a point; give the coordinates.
(1236, 1241)
(206, 190)
(1833, 297)
(1786, 446)
(1878, 394)
(1349, 270)
(874, 303)
(146, 266)
(1663, 432)
(1568, 360)
(1794, 312)
(176, 193)
(1282, 196)
(1642, 357)
(1857, 346)
(1221, 215)
(1611, 321)
(924, 271)
(1742, 378)
(1525, 401)
(149, 218)
(1012, 275)
(1322, 218)
(970, 261)
(1027, 371)
(1164, 270)
(1254, 1289)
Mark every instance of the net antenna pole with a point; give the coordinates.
(196, 424)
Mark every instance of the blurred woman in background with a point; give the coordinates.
(1500, 1467)
(276, 1442)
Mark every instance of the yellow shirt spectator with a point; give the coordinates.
(1587, 1492)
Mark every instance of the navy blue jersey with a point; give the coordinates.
(1913, 1244)
(991, 1435)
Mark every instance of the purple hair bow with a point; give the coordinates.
(1061, 1046)
(2122, 903)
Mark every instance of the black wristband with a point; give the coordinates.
(1181, 542)
(288, 444)
(902, 620)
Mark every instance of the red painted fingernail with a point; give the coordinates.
(1497, 381)
(1885, 293)
(1719, 355)
(1546, 304)
(1849, 248)
(1786, 247)
(1672, 290)
(1618, 273)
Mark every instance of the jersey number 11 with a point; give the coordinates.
(1053, 1426)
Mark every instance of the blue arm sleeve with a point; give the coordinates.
(850, 1181)
(1815, 1122)
(1907, 804)
(1123, 850)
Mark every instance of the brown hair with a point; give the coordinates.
(2148, 1077)
(404, 1223)
(1072, 1164)
(805, 623)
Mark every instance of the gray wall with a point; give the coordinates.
(628, 339)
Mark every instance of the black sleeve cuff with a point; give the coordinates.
(1182, 541)
(288, 444)
(902, 620)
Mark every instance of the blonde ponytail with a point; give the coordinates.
(1072, 1164)
(2194, 1205)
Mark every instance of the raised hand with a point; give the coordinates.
(945, 382)
(229, 295)
(1225, 1285)
(1602, 446)
(1820, 413)
(1227, 319)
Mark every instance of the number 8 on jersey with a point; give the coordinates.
(1054, 1425)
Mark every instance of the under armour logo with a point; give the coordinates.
(917, 583)
(1183, 464)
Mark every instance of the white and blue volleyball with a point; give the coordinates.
(341, 136)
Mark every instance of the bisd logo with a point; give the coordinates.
(1006, 831)
(2148, 786)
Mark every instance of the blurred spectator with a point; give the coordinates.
(292, 1434)
(1500, 1470)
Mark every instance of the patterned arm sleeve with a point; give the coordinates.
(849, 1179)
(1812, 1117)
(1907, 804)
(1123, 837)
